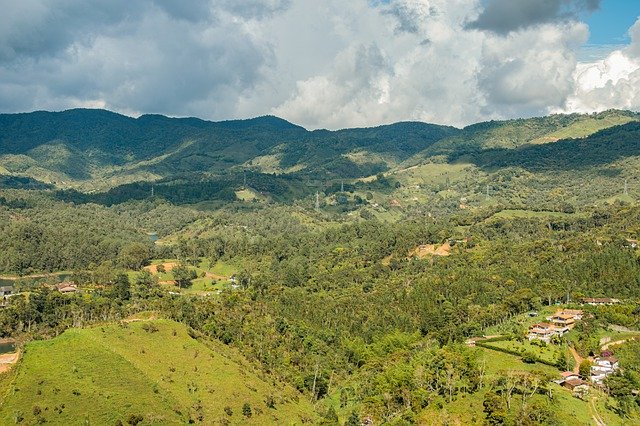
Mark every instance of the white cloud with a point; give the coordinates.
(613, 82)
(320, 64)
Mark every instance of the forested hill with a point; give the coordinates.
(189, 160)
(83, 144)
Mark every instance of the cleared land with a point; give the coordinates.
(152, 369)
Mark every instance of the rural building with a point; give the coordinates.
(67, 287)
(603, 367)
(598, 301)
(545, 331)
(566, 318)
(575, 383)
(6, 290)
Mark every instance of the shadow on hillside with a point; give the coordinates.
(601, 148)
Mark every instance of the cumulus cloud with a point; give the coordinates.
(613, 82)
(320, 64)
(531, 70)
(166, 56)
(505, 16)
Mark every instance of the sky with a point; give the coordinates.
(322, 64)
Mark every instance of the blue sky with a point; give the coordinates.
(609, 25)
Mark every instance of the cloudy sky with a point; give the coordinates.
(322, 63)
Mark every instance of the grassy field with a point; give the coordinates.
(152, 369)
(468, 410)
(548, 353)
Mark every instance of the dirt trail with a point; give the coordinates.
(594, 413)
(578, 359)
(617, 342)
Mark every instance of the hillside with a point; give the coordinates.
(97, 149)
(152, 369)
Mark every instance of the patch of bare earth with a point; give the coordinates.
(425, 250)
(7, 361)
(168, 266)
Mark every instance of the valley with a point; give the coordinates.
(173, 271)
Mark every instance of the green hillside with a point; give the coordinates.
(152, 369)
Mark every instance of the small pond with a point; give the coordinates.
(7, 347)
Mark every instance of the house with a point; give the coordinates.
(566, 318)
(569, 375)
(603, 367)
(67, 287)
(575, 383)
(545, 331)
(598, 301)
(6, 290)
(577, 313)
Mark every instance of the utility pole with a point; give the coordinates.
(317, 201)
(244, 180)
(487, 191)
(152, 191)
(342, 186)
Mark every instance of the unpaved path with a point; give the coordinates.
(594, 413)
(578, 358)
(617, 342)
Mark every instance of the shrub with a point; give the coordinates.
(134, 419)
(246, 410)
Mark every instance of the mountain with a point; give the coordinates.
(188, 160)
(80, 145)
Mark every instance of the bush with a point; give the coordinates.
(246, 410)
(134, 419)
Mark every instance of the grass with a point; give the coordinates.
(150, 368)
(520, 323)
(547, 353)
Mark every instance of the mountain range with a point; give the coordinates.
(98, 151)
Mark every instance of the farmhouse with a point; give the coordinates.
(575, 383)
(545, 331)
(6, 291)
(603, 367)
(566, 318)
(67, 287)
(598, 301)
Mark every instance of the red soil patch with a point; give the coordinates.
(215, 277)
(431, 250)
(168, 266)
(7, 361)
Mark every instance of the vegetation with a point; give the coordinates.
(292, 298)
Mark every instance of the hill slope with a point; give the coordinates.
(149, 369)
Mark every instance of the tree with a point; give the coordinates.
(246, 410)
(585, 368)
(134, 256)
(183, 276)
(354, 419)
(121, 287)
(494, 409)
